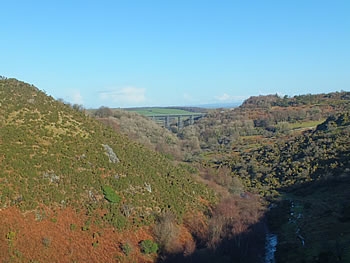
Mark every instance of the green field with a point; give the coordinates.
(159, 111)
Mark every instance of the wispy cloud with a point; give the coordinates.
(229, 98)
(124, 96)
(75, 97)
(223, 97)
(187, 97)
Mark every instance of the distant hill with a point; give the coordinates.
(265, 117)
(220, 105)
(55, 160)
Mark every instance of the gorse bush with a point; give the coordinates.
(126, 248)
(148, 246)
(110, 194)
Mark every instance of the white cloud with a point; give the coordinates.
(124, 96)
(224, 97)
(187, 97)
(229, 98)
(75, 97)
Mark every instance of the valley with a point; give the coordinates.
(263, 182)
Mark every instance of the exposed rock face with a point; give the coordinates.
(110, 153)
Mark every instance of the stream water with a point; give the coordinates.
(270, 247)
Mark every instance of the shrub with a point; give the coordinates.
(46, 241)
(119, 222)
(85, 228)
(110, 195)
(103, 112)
(148, 246)
(126, 248)
(11, 235)
(167, 234)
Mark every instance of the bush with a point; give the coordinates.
(11, 235)
(103, 112)
(119, 222)
(46, 241)
(110, 195)
(167, 234)
(126, 248)
(148, 246)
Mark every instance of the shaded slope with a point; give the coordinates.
(312, 222)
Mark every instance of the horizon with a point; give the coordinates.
(203, 106)
(155, 54)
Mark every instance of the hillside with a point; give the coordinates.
(273, 142)
(62, 170)
(141, 129)
(294, 152)
(73, 189)
(264, 118)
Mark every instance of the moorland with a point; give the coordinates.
(110, 185)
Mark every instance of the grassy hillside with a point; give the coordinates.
(68, 183)
(55, 157)
(145, 131)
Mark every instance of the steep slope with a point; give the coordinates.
(55, 157)
(142, 130)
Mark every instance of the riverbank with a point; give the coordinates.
(312, 223)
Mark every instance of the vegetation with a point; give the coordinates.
(126, 248)
(142, 130)
(148, 247)
(55, 157)
(270, 145)
(203, 198)
(52, 153)
(295, 152)
(110, 194)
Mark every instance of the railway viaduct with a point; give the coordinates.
(180, 120)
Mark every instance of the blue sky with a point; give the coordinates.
(166, 53)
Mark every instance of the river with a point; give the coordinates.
(270, 247)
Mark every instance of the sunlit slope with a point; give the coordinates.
(55, 155)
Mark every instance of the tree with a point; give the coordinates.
(78, 107)
(103, 112)
(167, 234)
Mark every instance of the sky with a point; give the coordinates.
(175, 52)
